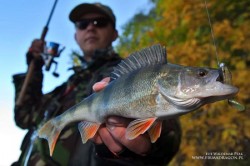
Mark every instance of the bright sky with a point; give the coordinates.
(21, 21)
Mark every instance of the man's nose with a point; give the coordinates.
(90, 26)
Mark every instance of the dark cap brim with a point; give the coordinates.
(77, 13)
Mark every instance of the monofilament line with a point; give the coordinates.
(212, 33)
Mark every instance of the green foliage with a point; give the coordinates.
(134, 32)
(182, 26)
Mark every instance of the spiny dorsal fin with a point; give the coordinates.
(150, 56)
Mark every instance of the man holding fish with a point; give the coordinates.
(110, 143)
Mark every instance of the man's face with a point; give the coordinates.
(93, 37)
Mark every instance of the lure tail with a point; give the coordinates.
(50, 131)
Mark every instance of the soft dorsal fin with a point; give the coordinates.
(146, 57)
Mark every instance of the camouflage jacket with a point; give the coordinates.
(69, 149)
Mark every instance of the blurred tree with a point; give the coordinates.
(182, 26)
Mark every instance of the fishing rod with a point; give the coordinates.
(52, 50)
(30, 72)
(19, 101)
(46, 28)
(226, 74)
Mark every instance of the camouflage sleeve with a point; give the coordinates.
(23, 114)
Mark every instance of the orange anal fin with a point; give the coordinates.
(138, 126)
(155, 131)
(87, 130)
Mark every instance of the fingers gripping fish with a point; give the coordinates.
(146, 88)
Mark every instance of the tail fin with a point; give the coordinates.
(50, 131)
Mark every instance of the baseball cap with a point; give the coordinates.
(84, 8)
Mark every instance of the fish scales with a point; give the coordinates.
(130, 95)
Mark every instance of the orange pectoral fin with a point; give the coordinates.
(155, 131)
(138, 126)
(87, 130)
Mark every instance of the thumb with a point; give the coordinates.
(101, 85)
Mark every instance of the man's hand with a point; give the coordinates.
(112, 134)
(34, 52)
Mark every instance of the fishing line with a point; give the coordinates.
(212, 33)
(226, 74)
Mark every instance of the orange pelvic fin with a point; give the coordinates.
(138, 126)
(87, 130)
(155, 131)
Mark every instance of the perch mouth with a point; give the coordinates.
(218, 86)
